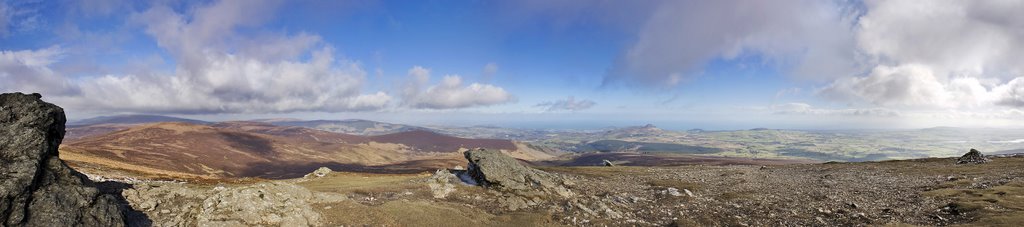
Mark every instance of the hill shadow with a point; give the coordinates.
(277, 170)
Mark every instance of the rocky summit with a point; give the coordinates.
(37, 188)
(972, 157)
(495, 170)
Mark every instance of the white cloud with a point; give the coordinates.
(28, 71)
(951, 37)
(218, 69)
(681, 37)
(568, 104)
(450, 93)
(1011, 94)
(938, 54)
(911, 85)
(894, 54)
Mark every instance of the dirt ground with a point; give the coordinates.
(912, 192)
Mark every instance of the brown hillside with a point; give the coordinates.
(434, 142)
(253, 149)
(80, 132)
(298, 133)
(199, 150)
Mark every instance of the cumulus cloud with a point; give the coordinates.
(894, 54)
(681, 37)
(28, 71)
(951, 37)
(910, 85)
(919, 86)
(568, 104)
(449, 93)
(938, 54)
(1011, 94)
(218, 69)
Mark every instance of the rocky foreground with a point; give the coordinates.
(497, 190)
(37, 188)
(917, 192)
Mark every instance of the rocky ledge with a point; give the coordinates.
(494, 170)
(37, 188)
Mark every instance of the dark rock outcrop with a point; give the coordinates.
(972, 157)
(36, 187)
(498, 171)
(607, 163)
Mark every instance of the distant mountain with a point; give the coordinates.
(132, 119)
(256, 149)
(73, 133)
(1003, 152)
(353, 126)
(428, 141)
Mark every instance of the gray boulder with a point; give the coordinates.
(972, 157)
(36, 187)
(442, 183)
(320, 172)
(498, 171)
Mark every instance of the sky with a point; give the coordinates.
(679, 64)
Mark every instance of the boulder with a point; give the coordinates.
(320, 172)
(262, 204)
(494, 170)
(275, 203)
(442, 183)
(36, 187)
(972, 157)
(607, 163)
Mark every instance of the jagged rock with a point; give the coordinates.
(260, 204)
(495, 170)
(607, 163)
(268, 204)
(972, 157)
(442, 183)
(36, 187)
(320, 172)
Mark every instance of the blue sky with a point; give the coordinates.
(730, 64)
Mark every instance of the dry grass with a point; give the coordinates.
(345, 182)
(1001, 205)
(76, 157)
